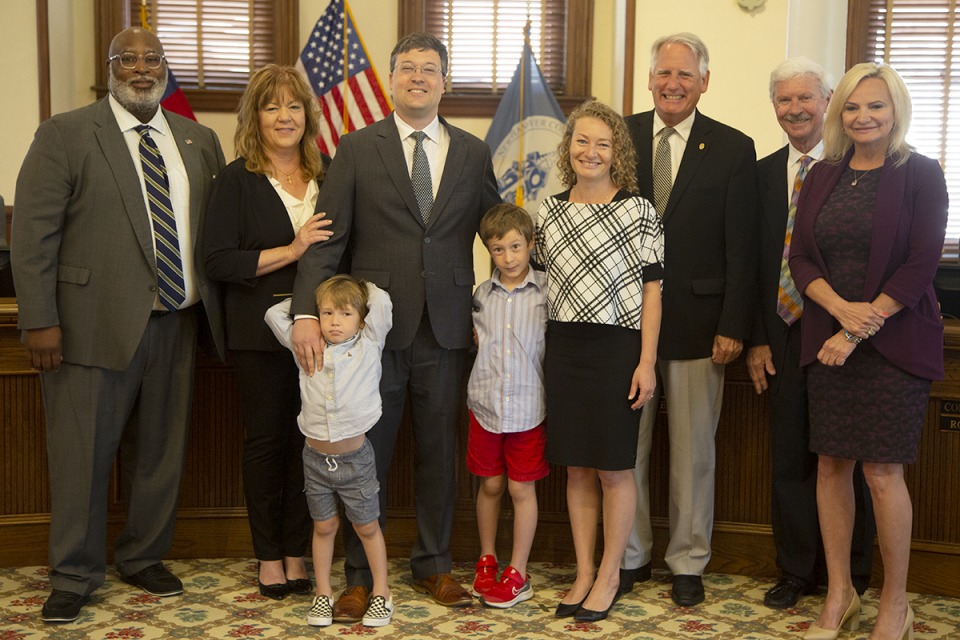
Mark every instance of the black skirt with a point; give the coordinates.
(588, 369)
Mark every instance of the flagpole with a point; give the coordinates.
(523, 70)
(346, 71)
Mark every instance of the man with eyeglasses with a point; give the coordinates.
(108, 208)
(406, 195)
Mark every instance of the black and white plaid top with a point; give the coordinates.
(597, 257)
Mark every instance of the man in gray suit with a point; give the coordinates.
(406, 195)
(102, 200)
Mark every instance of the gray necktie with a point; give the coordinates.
(420, 177)
(662, 172)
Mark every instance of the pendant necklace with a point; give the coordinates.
(288, 175)
(856, 178)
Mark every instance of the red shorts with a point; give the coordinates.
(519, 455)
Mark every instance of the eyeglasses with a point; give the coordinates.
(130, 60)
(428, 71)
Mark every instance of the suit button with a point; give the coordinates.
(153, 288)
(426, 240)
(423, 274)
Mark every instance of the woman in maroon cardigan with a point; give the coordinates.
(866, 243)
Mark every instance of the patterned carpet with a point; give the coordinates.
(221, 601)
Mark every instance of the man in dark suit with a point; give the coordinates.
(406, 195)
(113, 336)
(701, 177)
(800, 91)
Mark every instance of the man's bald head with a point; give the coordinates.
(129, 38)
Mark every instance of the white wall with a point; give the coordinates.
(20, 96)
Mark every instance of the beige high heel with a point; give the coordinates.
(850, 620)
(907, 633)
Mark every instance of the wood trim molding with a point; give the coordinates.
(286, 36)
(43, 57)
(857, 12)
(629, 52)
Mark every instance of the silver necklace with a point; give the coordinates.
(856, 178)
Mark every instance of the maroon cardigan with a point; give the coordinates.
(909, 223)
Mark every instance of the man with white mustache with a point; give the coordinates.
(109, 204)
(701, 177)
(800, 92)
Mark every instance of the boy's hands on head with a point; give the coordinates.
(308, 344)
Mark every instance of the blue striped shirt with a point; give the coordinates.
(505, 392)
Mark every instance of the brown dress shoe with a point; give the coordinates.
(444, 590)
(351, 604)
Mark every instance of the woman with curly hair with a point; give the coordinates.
(260, 220)
(602, 248)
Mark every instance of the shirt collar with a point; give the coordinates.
(795, 155)
(346, 344)
(432, 130)
(683, 128)
(528, 279)
(128, 121)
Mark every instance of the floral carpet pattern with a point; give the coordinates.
(221, 601)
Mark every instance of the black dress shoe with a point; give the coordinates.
(687, 590)
(156, 580)
(786, 593)
(276, 591)
(300, 586)
(62, 606)
(567, 610)
(630, 576)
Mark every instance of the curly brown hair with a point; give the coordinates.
(265, 86)
(623, 169)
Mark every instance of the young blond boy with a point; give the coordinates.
(339, 404)
(506, 400)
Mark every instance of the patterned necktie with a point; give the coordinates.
(420, 176)
(662, 172)
(169, 265)
(789, 302)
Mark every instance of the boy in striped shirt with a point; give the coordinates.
(506, 401)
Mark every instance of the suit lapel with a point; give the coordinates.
(456, 157)
(643, 141)
(697, 147)
(117, 155)
(776, 190)
(391, 154)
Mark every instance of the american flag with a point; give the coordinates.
(321, 63)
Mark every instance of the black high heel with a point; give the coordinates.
(567, 610)
(300, 586)
(272, 591)
(588, 615)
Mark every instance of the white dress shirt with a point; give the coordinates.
(298, 210)
(179, 189)
(435, 145)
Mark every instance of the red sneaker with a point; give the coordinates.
(511, 589)
(486, 575)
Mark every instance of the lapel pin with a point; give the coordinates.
(701, 145)
(189, 141)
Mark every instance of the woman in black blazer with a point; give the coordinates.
(260, 220)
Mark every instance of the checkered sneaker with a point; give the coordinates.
(321, 613)
(511, 589)
(379, 613)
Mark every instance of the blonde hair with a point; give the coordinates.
(623, 170)
(836, 143)
(266, 86)
(344, 291)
